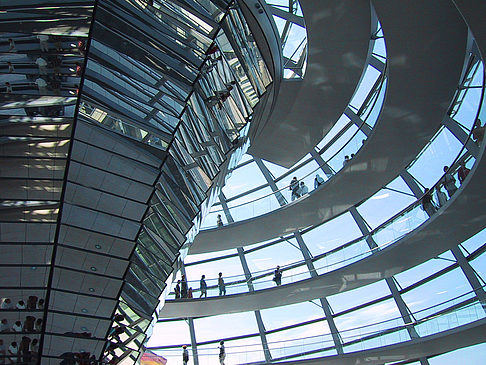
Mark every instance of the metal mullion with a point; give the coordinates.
(470, 275)
(364, 305)
(326, 307)
(399, 302)
(429, 278)
(270, 181)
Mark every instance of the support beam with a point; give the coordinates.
(323, 164)
(365, 128)
(338, 344)
(270, 180)
(377, 63)
(225, 207)
(402, 307)
(288, 16)
(470, 275)
(258, 316)
(411, 183)
(192, 332)
(363, 227)
(461, 135)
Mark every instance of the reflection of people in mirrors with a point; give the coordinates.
(11, 45)
(43, 39)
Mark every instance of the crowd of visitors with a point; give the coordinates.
(54, 69)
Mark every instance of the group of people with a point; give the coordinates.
(33, 302)
(448, 181)
(221, 356)
(182, 291)
(49, 75)
(25, 352)
(31, 324)
(299, 189)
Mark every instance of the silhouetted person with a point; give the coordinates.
(185, 355)
(221, 285)
(303, 189)
(4, 327)
(427, 204)
(11, 45)
(277, 276)
(32, 302)
(177, 290)
(183, 287)
(43, 42)
(203, 287)
(318, 181)
(6, 304)
(222, 353)
(17, 327)
(462, 172)
(449, 182)
(346, 160)
(478, 131)
(294, 187)
(219, 221)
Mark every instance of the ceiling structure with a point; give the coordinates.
(124, 121)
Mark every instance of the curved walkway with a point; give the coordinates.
(440, 233)
(450, 340)
(306, 109)
(420, 88)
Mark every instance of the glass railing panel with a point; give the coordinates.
(386, 203)
(253, 204)
(280, 346)
(439, 290)
(351, 298)
(336, 128)
(459, 317)
(330, 235)
(400, 226)
(369, 78)
(382, 340)
(428, 167)
(371, 319)
(409, 277)
(267, 259)
(479, 265)
(343, 257)
(290, 314)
